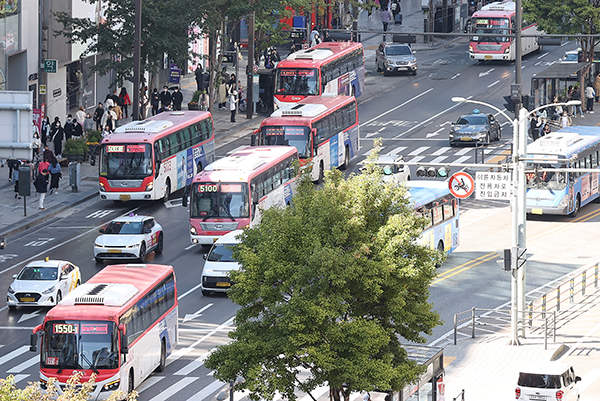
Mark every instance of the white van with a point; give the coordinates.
(548, 381)
(218, 263)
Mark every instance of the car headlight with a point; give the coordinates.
(102, 189)
(388, 61)
(49, 290)
(134, 245)
(10, 290)
(97, 245)
(193, 230)
(113, 385)
(150, 186)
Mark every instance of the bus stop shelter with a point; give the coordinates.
(554, 80)
(430, 386)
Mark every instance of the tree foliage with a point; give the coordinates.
(330, 286)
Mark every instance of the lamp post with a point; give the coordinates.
(519, 207)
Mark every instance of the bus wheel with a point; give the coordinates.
(346, 159)
(167, 191)
(130, 385)
(163, 357)
(577, 207)
(159, 246)
(142, 255)
(78, 283)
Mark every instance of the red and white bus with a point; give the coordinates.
(150, 159)
(329, 67)
(499, 18)
(231, 193)
(324, 129)
(121, 324)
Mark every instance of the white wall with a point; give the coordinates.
(30, 33)
(82, 10)
(57, 106)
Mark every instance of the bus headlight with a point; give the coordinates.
(102, 189)
(471, 49)
(193, 230)
(564, 201)
(507, 50)
(150, 186)
(43, 384)
(113, 385)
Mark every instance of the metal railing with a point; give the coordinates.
(460, 397)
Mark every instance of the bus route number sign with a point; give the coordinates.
(461, 185)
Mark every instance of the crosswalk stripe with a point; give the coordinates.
(238, 395)
(418, 151)
(21, 367)
(396, 151)
(463, 151)
(462, 159)
(98, 214)
(190, 367)
(206, 391)
(416, 159)
(371, 151)
(149, 382)
(439, 159)
(174, 389)
(14, 354)
(18, 378)
(184, 351)
(440, 151)
(316, 393)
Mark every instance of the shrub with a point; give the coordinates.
(75, 146)
(196, 96)
(94, 136)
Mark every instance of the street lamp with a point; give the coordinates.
(223, 394)
(518, 205)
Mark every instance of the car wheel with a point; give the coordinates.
(167, 191)
(451, 144)
(58, 297)
(163, 357)
(98, 260)
(205, 292)
(159, 246)
(575, 211)
(385, 73)
(142, 255)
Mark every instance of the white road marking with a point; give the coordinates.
(190, 367)
(589, 379)
(396, 108)
(440, 151)
(542, 55)
(190, 247)
(483, 74)
(207, 391)
(462, 159)
(39, 242)
(13, 354)
(416, 159)
(463, 151)
(456, 76)
(149, 382)
(18, 378)
(99, 214)
(22, 366)
(179, 298)
(493, 83)
(316, 393)
(27, 316)
(429, 119)
(439, 159)
(172, 390)
(395, 151)
(191, 316)
(418, 151)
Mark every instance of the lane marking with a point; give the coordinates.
(13, 354)
(493, 83)
(396, 108)
(418, 151)
(207, 391)
(22, 366)
(190, 367)
(430, 118)
(172, 390)
(149, 382)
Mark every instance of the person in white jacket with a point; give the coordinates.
(233, 104)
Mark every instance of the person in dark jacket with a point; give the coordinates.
(57, 134)
(55, 175)
(68, 128)
(165, 98)
(41, 186)
(177, 99)
(45, 131)
(15, 177)
(154, 101)
(199, 76)
(77, 129)
(98, 116)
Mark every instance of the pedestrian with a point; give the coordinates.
(108, 100)
(125, 101)
(117, 105)
(597, 87)
(80, 115)
(336, 21)
(48, 154)
(58, 135)
(15, 177)
(386, 17)
(68, 127)
(534, 127)
(222, 91)
(77, 129)
(35, 145)
(106, 131)
(177, 98)
(165, 98)
(315, 37)
(44, 164)
(154, 100)
(98, 113)
(199, 77)
(566, 120)
(590, 97)
(55, 175)
(269, 62)
(45, 131)
(11, 165)
(233, 104)
(395, 7)
(110, 119)
(576, 95)
(275, 55)
(232, 84)
(88, 123)
(41, 186)
(546, 130)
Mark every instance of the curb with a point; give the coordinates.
(556, 354)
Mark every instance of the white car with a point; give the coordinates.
(43, 283)
(218, 263)
(130, 237)
(547, 381)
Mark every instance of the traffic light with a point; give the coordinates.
(433, 172)
(509, 105)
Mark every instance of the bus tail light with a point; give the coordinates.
(559, 395)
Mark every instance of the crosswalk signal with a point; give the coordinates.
(433, 172)
(509, 105)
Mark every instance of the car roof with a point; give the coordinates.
(473, 115)
(46, 263)
(230, 238)
(546, 368)
(131, 219)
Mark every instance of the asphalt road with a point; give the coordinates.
(412, 115)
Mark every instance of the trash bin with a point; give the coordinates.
(75, 176)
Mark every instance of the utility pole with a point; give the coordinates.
(137, 52)
(250, 72)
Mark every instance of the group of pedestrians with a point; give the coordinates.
(165, 100)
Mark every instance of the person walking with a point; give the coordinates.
(68, 127)
(44, 164)
(15, 177)
(80, 115)
(154, 100)
(55, 175)
(125, 101)
(35, 145)
(110, 119)
(597, 87)
(77, 128)
(565, 120)
(233, 104)
(177, 99)
(98, 113)
(576, 95)
(590, 97)
(199, 76)
(395, 7)
(88, 123)
(58, 135)
(45, 131)
(41, 186)
(386, 17)
(165, 98)
(48, 154)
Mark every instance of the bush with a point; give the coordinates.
(196, 96)
(75, 146)
(94, 136)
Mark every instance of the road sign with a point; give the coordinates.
(50, 65)
(42, 89)
(491, 185)
(255, 68)
(461, 185)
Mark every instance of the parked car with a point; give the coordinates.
(218, 263)
(475, 128)
(43, 283)
(547, 381)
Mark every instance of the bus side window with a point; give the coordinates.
(277, 176)
(186, 138)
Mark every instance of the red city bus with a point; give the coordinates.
(499, 18)
(231, 193)
(329, 67)
(150, 159)
(324, 129)
(121, 324)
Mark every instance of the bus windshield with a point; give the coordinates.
(297, 81)
(288, 135)
(219, 200)
(492, 25)
(126, 161)
(547, 179)
(77, 344)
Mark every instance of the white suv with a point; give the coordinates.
(218, 263)
(547, 381)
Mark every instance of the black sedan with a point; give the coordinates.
(475, 128)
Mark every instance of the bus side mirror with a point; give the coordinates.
(186, 193)
(124, 345)
(33, 342)
(254, 137)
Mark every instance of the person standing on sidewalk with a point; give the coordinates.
(55, 175)
(386, 17)
(590, 96)
(576, 95)
(165, 98)
(35, 142)
(15, 177)
(233, 104)
(41, 186)
(68, 127)
(177, 98)
(125, 101)
(58, 134)
(80, 115)
(45, 134)
(98, 113)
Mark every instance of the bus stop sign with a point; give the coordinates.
(461, 185)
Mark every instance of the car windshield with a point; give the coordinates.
(297, 81)
(539, 380)
(126, 161)
(219, 200)
(221, 253)
(44, 273)
(74, 344)
(472, 120)
(397, 51)
(124, 227)
(571, 57)
(297, 136)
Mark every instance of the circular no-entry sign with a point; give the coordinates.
(255, 68)
(461, 185)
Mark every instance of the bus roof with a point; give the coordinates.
(422, 192)
(318, 55)
(496, 9)
(566, 142)
(108, 293)
(307, 109)
(155, 127)
(243, 164)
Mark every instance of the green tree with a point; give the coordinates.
(573, 17)
(330, 285)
